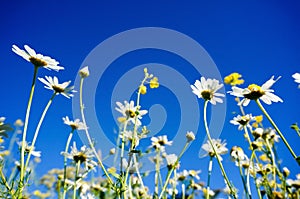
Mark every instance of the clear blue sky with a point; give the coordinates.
(257, 39)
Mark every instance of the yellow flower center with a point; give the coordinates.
(37, 62)
(130, 113)
(206, 94)
(255, 92)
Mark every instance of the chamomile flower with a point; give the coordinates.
(237, 153)
(84, 156)
(219, 146)
(128, 136)
(75, 125)
(53, 84)
(255, 92)
(207, 89)
(130, 112)
(30, 149)
(194, 174)
(37, 60)
(171, 159)
(296, 76)
(242, 121)
(160, 142)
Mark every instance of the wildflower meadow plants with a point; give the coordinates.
(258, 163)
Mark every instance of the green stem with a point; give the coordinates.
(38, 129)
(88, 135)
(172, 169)
(21, 182)
(278, 131)
(273, 162)
(65, 163)
(243, 180)
(75, 180)
(254, 174)
(123, 146)
(3, 179)
(209, 175)
(215, 152)
(157, 167)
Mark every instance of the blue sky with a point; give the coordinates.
(257, 39)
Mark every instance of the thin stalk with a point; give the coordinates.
(21, 182)
(278, 131)
(135, 162)
(3, 179)
(183, 191)
(38, 128)
(75, 180)
(157, 167)
(172, 169)
(88, 135)
(215, 152)
(209, 175)
(65, 163)
(273, 162)
(123, 146)
(254, 174)
(243, 180)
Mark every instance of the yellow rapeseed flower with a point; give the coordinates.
(143, 89)
(233, 79)
(154, 82)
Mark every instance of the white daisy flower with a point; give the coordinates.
(181, 176)
(128, 136)
(84, 156)
(296, 76)
(63, 88)
(160, 142)
(194, 174)
(206, 89)
(131, 112)
(254, 92)
(75, 125)
(243, 121)
(171, 159)
(37, 60)
(237, 153)
(219, 146)
(30, 149)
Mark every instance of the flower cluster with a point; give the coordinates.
(84, 175)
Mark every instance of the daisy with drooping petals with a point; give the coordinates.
(160, 142)
(30, 149)
(255, 92)
(130, 112)
(75, 125)
(219, 146)
(37, 60)
(296, 76)
(206, 89)
(243, 121)
(63, 88)
(83, 156)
